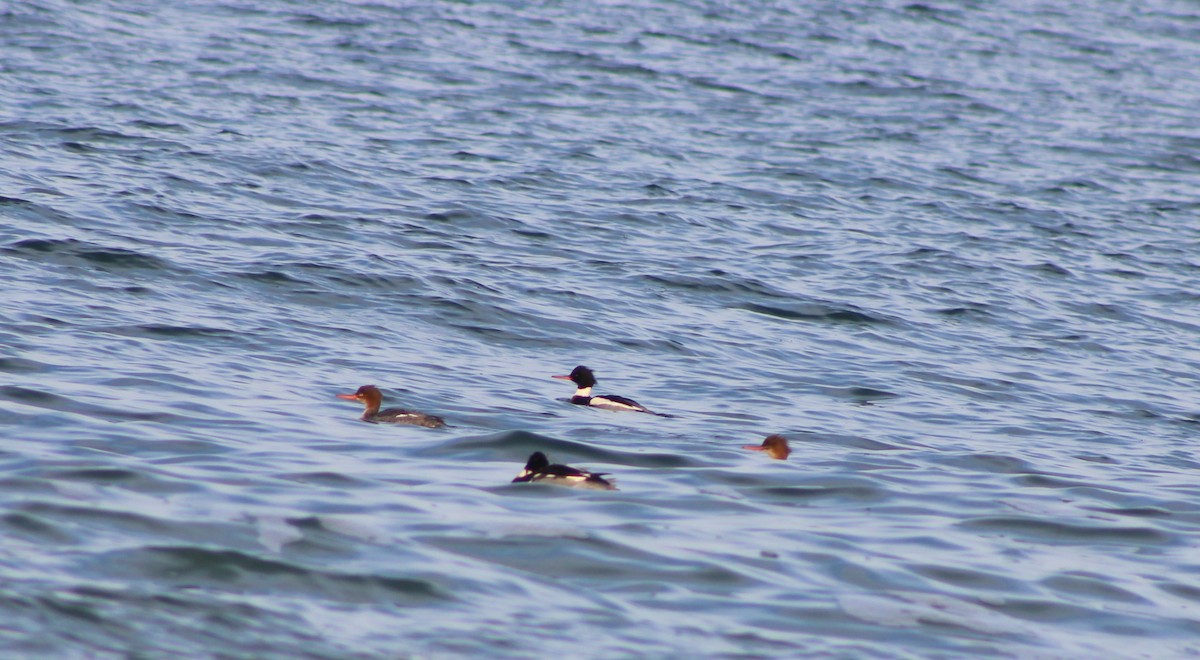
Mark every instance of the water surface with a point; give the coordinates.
(949, 250)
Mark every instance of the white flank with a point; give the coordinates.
(602, 402)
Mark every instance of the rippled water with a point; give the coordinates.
(951, 250)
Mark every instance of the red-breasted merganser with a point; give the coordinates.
(372, 398)
(584, 381)
(539, 468)
(776, 446)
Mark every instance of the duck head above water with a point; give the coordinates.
(368, 395)
(581, 376)
(776, 446)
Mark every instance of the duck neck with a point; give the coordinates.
(372, 407)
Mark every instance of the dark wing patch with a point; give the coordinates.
(564, 471)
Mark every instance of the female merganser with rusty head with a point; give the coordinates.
(539, 468)
(584, 381)
(372, 398)
(776, 446)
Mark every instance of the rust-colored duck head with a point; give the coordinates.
(368, 395)
(776, 446)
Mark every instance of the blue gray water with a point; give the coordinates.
(950, 249)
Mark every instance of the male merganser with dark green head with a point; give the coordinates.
(585, 380)
(539, 468)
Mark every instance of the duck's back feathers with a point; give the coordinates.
(402, 416)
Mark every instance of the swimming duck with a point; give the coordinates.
(584, 380)
(539, 468)
(372, 398)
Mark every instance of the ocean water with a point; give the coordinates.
(950, 249)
